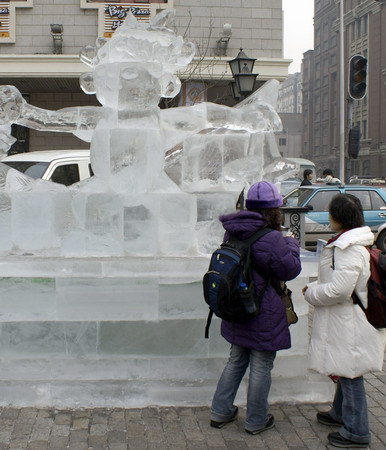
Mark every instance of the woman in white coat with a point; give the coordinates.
(343, 343)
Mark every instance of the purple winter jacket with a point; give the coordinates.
(275, 256)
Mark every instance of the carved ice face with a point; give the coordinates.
(128, 86)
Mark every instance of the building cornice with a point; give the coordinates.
(359, 11)
(70, 66)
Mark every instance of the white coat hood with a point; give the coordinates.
(356, 236)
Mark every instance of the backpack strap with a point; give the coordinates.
(208, 322)
(255, 236)
(357, 301)
(247, 243)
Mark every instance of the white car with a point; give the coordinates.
(60, 166)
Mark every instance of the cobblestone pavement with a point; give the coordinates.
(177, 428)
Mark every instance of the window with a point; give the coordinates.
(297, 197)
(359, 28)
(282, 141)
(364, 129)
(365, 24)
(364, 197)
(366, 167)
(66, 174)
(377, 201)
(31, 168)
(321, 200)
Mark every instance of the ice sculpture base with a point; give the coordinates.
(126, 332)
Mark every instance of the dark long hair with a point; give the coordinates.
(273, 217)
(347, 210)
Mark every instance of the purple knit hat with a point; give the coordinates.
(263, 195)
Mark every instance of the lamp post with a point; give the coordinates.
(244, 79)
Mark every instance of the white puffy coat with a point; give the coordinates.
(342, 341)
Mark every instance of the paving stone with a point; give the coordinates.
(99, 429)
(193, 445)
(100, 416)
(63, 419)
(137, 443)
(117, 447)
(78, 436)
(58, 441)
(135, 429)
(97, 442)
(38, 445)
(133, 415)
(176, 438)
(10, 413)
(60, 430)
(116, 437)
(305, 433)
(292, 440)
(78, 446)
(274, 440)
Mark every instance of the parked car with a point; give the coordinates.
(60, 166)
(368, 180)
(317, 198)
(289, 185)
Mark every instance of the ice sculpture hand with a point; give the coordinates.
(11, 103)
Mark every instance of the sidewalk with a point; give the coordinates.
(177, 428)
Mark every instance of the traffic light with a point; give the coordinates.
(354, 136)
(357, 83)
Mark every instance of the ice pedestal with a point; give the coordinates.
(126, 332)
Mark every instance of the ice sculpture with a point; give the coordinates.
(142, 211)
(100, 293)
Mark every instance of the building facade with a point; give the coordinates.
(289, 140)
(40, 42)
(364, 34)
(290, 94)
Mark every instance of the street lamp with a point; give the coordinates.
(244, 79)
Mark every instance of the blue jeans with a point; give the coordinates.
(350, 407)
(261, 364)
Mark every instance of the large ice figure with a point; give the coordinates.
(100, 293)
(143, 209)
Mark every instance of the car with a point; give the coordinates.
(317, 198)
(368, 181)
(60, 166)
(289, 185)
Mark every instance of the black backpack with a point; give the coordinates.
(228, 287)
(376, 290)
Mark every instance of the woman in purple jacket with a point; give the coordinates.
(256, 342)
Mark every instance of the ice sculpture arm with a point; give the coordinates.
(187, 120)
(254, 117)
(10, 105)
(6, 140)
(67, 119)
(14, 109)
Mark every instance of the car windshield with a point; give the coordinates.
(297, 197)
(33, 169)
